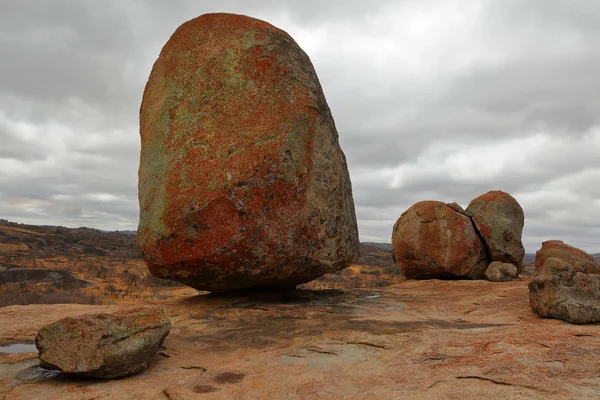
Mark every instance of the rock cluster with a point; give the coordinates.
(436, 240)
(103, 345)
(242, 182)
(566, 285)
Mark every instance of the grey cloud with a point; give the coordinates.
(80, 67)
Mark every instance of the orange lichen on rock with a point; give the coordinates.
(433, 240)
(242, 181)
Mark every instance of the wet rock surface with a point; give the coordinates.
(417, 340)
(242, 180)
(566, 285)
(103, 345)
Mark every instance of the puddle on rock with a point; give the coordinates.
(19, 348)
(371, 296)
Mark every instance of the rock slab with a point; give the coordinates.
(566, 285)
(103, 345)
(499, 219)
(242, 182)
(434, 240)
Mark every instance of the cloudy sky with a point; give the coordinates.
(433, 99)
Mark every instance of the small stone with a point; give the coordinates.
(501, 272)
(103, 345)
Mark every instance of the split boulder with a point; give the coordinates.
(434, 240)
(499, 219)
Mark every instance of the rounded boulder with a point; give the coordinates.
(242, 182)
(434, 240)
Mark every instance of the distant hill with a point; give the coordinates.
(35, 241)
(384, 246)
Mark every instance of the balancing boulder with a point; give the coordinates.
(242, 182)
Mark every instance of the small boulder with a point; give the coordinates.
(242, 181)
(501, 272)
(499, 219)
(434, 240)
(566, 285)
(579, 259)
(103, 345)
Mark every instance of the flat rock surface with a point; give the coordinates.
(415, 340)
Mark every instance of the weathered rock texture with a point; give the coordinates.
(567, 284)
(579, 259)
(103, 345)
(433, 240)
(501, 272)
(436, 240)
(499, 219)
(242, 181)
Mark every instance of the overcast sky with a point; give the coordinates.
(433, 100)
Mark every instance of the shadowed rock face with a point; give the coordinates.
(567, 284)
(433, 240)
(242, 182)
(499, 219)
(103, 345)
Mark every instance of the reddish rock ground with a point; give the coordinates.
(415, 340)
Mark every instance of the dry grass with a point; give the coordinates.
(23, 294)
(8, 247)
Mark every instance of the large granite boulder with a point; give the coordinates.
(103, 345)
(242, 182)
(434, 240)
(499, 219)
(566, 285)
